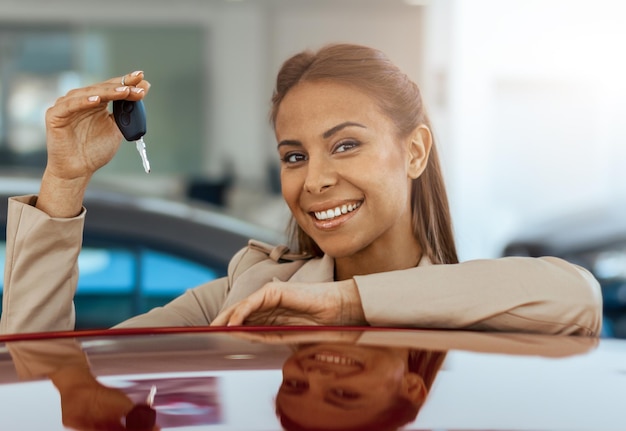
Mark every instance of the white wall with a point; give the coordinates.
(526, 96)
(533, 111)
(246, 43)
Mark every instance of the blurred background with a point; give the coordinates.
(526, 99)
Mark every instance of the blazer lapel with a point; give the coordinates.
(315, 270)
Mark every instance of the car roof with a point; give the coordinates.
(487, 381)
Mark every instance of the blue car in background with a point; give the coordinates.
(141, 252)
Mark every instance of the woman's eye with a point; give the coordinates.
(344, 146)
(293, 158)
(295, 384)
(346, 394)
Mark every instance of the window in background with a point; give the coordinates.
(40, 64)
(36, 66)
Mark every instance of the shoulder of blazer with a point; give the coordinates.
(257, 252)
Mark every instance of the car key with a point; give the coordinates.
(130, 117)
(142, 416)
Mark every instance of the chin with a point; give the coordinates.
(338, 249)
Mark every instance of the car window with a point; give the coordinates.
(116, 282)
(118, 270)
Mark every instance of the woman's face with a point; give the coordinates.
(345, 173)
(344, 385)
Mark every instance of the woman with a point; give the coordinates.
(331, 386)
(373, 237)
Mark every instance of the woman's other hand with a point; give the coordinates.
(88, 405)
(81, 137)
(285, 303)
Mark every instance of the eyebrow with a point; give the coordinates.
(327, 134)
(289, 143)
(338, 127)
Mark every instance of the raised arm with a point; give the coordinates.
(44, 233)
(81, 137)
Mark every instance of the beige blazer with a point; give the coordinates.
(538, 295)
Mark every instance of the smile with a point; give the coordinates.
(330, 358)
(336, 212)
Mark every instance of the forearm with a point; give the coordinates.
(546, 295)
(41, 269)
(42, 358)
(196, 307)
(61, 198)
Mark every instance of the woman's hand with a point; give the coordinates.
(81, 137)
(81, 133)
(88, 405)
(300, 337)
(285, 303)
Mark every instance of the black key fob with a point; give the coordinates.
(141, 418)
(130, 117)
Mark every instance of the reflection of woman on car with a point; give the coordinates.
(372, 235)
(331, 386)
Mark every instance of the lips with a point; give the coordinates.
(333, 361)
(337, 211)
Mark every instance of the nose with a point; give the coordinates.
(320, 175)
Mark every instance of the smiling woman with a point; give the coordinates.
(323, 164)
(372, 240)
(354, 387)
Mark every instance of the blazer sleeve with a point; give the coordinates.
(41, 277)
(200, 305)
(41, 271)
(514, 294)
(195, 307)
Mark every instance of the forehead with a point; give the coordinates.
(324, 104)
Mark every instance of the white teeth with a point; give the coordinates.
(336, 212)
(331, 359)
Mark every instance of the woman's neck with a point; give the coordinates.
(378, 260)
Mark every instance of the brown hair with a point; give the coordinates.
(399, 98)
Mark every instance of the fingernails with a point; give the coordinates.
(136, 72)
(137, 90)
(93, 98)
(121, 89)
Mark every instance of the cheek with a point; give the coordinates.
(387, 178)
(290, 187)
(290, 367)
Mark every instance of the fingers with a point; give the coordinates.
(132, 86)
(222, 318)
(265, 299)
(292, 337)
(136, 83)
(233, 316)
(133, 89)
(97, 96)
